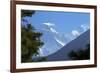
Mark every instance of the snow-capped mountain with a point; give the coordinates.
(51, 35)
(79, 43)
(54, 41)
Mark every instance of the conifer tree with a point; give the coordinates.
(80, 54)
(30, 39)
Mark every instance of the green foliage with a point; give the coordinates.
(40, 59)
(30, 39)
(27, 13)
(30, 42)
(80, 54)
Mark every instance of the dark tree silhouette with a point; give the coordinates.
(80, 54)
(40, 59)
(28, 13)
(30, 42)
(30, 39)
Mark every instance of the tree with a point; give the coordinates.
(30, 40)
(80, 54)
(28, 13)
(40, 59)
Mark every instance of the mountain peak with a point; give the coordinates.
(78, 43)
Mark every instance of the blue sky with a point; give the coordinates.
(65, 20)
(62, 26)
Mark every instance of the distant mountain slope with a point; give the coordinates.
(79, 43)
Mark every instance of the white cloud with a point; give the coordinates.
(53, 30)
(75, 33)
(49, 24)
(84, 27)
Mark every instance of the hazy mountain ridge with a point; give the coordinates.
(78, 43)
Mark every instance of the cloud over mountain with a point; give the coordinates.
(49, 24)
(75, 33)
(84, 27)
